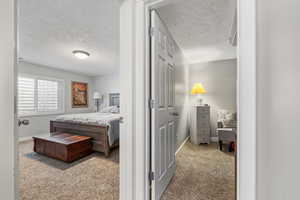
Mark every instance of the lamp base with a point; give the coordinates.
(200, 100)
(97, 104)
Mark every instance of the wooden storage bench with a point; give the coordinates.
(63, 146)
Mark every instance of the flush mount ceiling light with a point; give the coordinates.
(81, 54)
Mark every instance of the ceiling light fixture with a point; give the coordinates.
(81, 54)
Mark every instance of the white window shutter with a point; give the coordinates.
(38, 96)
(26, 95)
(47, 96)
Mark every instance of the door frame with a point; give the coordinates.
(8, 148)
(135, 72)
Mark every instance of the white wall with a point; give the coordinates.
(7, 144)
(219, 80)
(41, 124)
(278, 99)
(110, 83)
(181, 96)
(107, 84)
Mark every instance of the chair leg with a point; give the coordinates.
(221, 145)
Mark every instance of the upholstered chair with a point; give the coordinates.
(227, 127)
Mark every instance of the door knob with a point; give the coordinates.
(121, 120)
(174, 113)
(23, 122)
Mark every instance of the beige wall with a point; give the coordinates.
(278, 99)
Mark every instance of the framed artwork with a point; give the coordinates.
(79, 94)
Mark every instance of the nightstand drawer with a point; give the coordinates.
(204, 117)
(203, 125)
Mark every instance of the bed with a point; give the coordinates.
(103, 127)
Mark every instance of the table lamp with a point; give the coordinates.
(198, 89)
(97, 98)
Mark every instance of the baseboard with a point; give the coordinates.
(183, 143)
(25, 139)
(214, 139)
(28, 138)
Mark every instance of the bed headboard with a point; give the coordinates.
(114, 99)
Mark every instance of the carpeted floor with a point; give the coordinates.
(91, 178)
(203, 173)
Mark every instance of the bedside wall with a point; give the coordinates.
(40, 125)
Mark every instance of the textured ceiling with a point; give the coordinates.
(49, 30)
(201, 28)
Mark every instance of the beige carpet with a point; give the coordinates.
(203, 173)
(91, 178)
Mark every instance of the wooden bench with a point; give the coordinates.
(63, 146)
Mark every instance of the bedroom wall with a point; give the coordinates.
(219, 79)
(181, 96)
(107, 84)
(110, 83)
(39, 125)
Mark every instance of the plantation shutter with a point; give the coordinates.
(47, 96)
(40, 96)
(26, 95)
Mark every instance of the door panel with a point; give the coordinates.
(163, 138)
(170, 85)
(161, 78)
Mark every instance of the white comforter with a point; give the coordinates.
(103, 119)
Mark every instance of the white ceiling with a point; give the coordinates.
(201, 28)
(49, 30)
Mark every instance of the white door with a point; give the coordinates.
(163, 138)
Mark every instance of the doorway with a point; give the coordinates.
(192, 117)
(66, 66)
(137, 23)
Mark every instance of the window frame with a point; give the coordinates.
(61, 101)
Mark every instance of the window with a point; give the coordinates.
(40, 96)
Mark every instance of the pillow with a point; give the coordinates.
(222, 114)
(107, 109)
(230, 120)
(110, 109)
(227, 118)
(115, 109)
(229, 123)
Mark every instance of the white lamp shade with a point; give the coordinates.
(96, 95)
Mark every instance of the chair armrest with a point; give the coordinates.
(227, 134)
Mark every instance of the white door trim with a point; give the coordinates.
(134, 156)
(8, 141)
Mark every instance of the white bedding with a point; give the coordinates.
(103, 119)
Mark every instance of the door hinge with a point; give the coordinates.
(151, 31)
(151, 103)
(151, 176)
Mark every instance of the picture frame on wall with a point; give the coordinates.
(79, 94)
